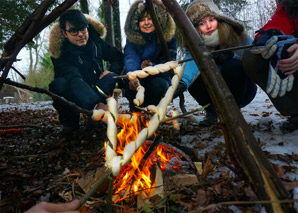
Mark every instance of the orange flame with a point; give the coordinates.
(131, 179)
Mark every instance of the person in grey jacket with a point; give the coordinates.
(77, 51)
(217, 32)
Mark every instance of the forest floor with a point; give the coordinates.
(38, 164)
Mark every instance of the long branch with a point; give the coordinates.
(53, 95)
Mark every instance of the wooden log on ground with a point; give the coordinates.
(240, 142)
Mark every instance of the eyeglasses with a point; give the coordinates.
(75, 32)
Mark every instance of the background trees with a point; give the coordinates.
(253, 13)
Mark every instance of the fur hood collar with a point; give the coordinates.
(132, 29)
(56, 38)
(198, 9)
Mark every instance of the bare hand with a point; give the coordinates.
(290, 64)
(45, 207)
(106, 72)
(146, 63)
(102, 106)
(133, 85)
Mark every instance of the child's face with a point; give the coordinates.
(207, 25)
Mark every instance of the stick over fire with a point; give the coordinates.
(114, 161)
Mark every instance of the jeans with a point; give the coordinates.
(78, 91)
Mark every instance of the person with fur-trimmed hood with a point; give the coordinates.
(217, 32)
(77, 51)
(143, 49)
(273, 63)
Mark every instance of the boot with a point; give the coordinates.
(210, 118)
(291, 124)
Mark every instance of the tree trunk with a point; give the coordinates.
(108, 21)
(84, 6)
(240, 142)
(116, 24)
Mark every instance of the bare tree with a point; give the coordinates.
(84, 6)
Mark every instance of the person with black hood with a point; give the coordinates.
(217, 32)
(273, 62)
(77, 51)
(143, 49)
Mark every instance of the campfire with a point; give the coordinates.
(138, 175)
(135, 162)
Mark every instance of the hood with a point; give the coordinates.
(132, 29)
(198, 9)
(56, 38)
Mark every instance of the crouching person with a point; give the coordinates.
(273, 63)
(77, 52)
(217, 32)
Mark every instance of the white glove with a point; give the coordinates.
(277, 86)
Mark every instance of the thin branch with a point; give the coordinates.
(53, 95)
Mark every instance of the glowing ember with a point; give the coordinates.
(132, 178)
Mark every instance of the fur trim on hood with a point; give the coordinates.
(132, 29)
(198, 9)
(56, 38)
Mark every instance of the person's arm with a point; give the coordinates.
(45, 207)
(191, 71)
(64, 68)
(132, 59)
(113, 56)
(279, 21)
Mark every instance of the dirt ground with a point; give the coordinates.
(37, 163)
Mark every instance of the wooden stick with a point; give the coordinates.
(221, 51)
(212, 52)
(98, 183)
(184, 114)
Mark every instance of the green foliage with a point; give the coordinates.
(13, 13)
(43, 76)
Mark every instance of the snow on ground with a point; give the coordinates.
(260, 114)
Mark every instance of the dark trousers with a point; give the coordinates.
(242, 88)
(256, 68)
(155, 90)
(81, 93)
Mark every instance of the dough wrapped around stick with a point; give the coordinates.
(131, 76)
(141, 74)
(172, 64)
(162, 67)
(175, 121)
(151, 108)
(151, 70)
(128, 152)
(139, 100)
(115, 162)
(98, 114)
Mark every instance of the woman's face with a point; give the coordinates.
(208, 25)
(146, 25)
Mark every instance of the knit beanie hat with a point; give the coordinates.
(199, 9)
(134, 16)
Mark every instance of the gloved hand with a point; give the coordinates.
(222, 58)
(265, 43)
(277, 86)
(278, 83)
(180, 89)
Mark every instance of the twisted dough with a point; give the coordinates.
(150, 70)
(115, 162)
